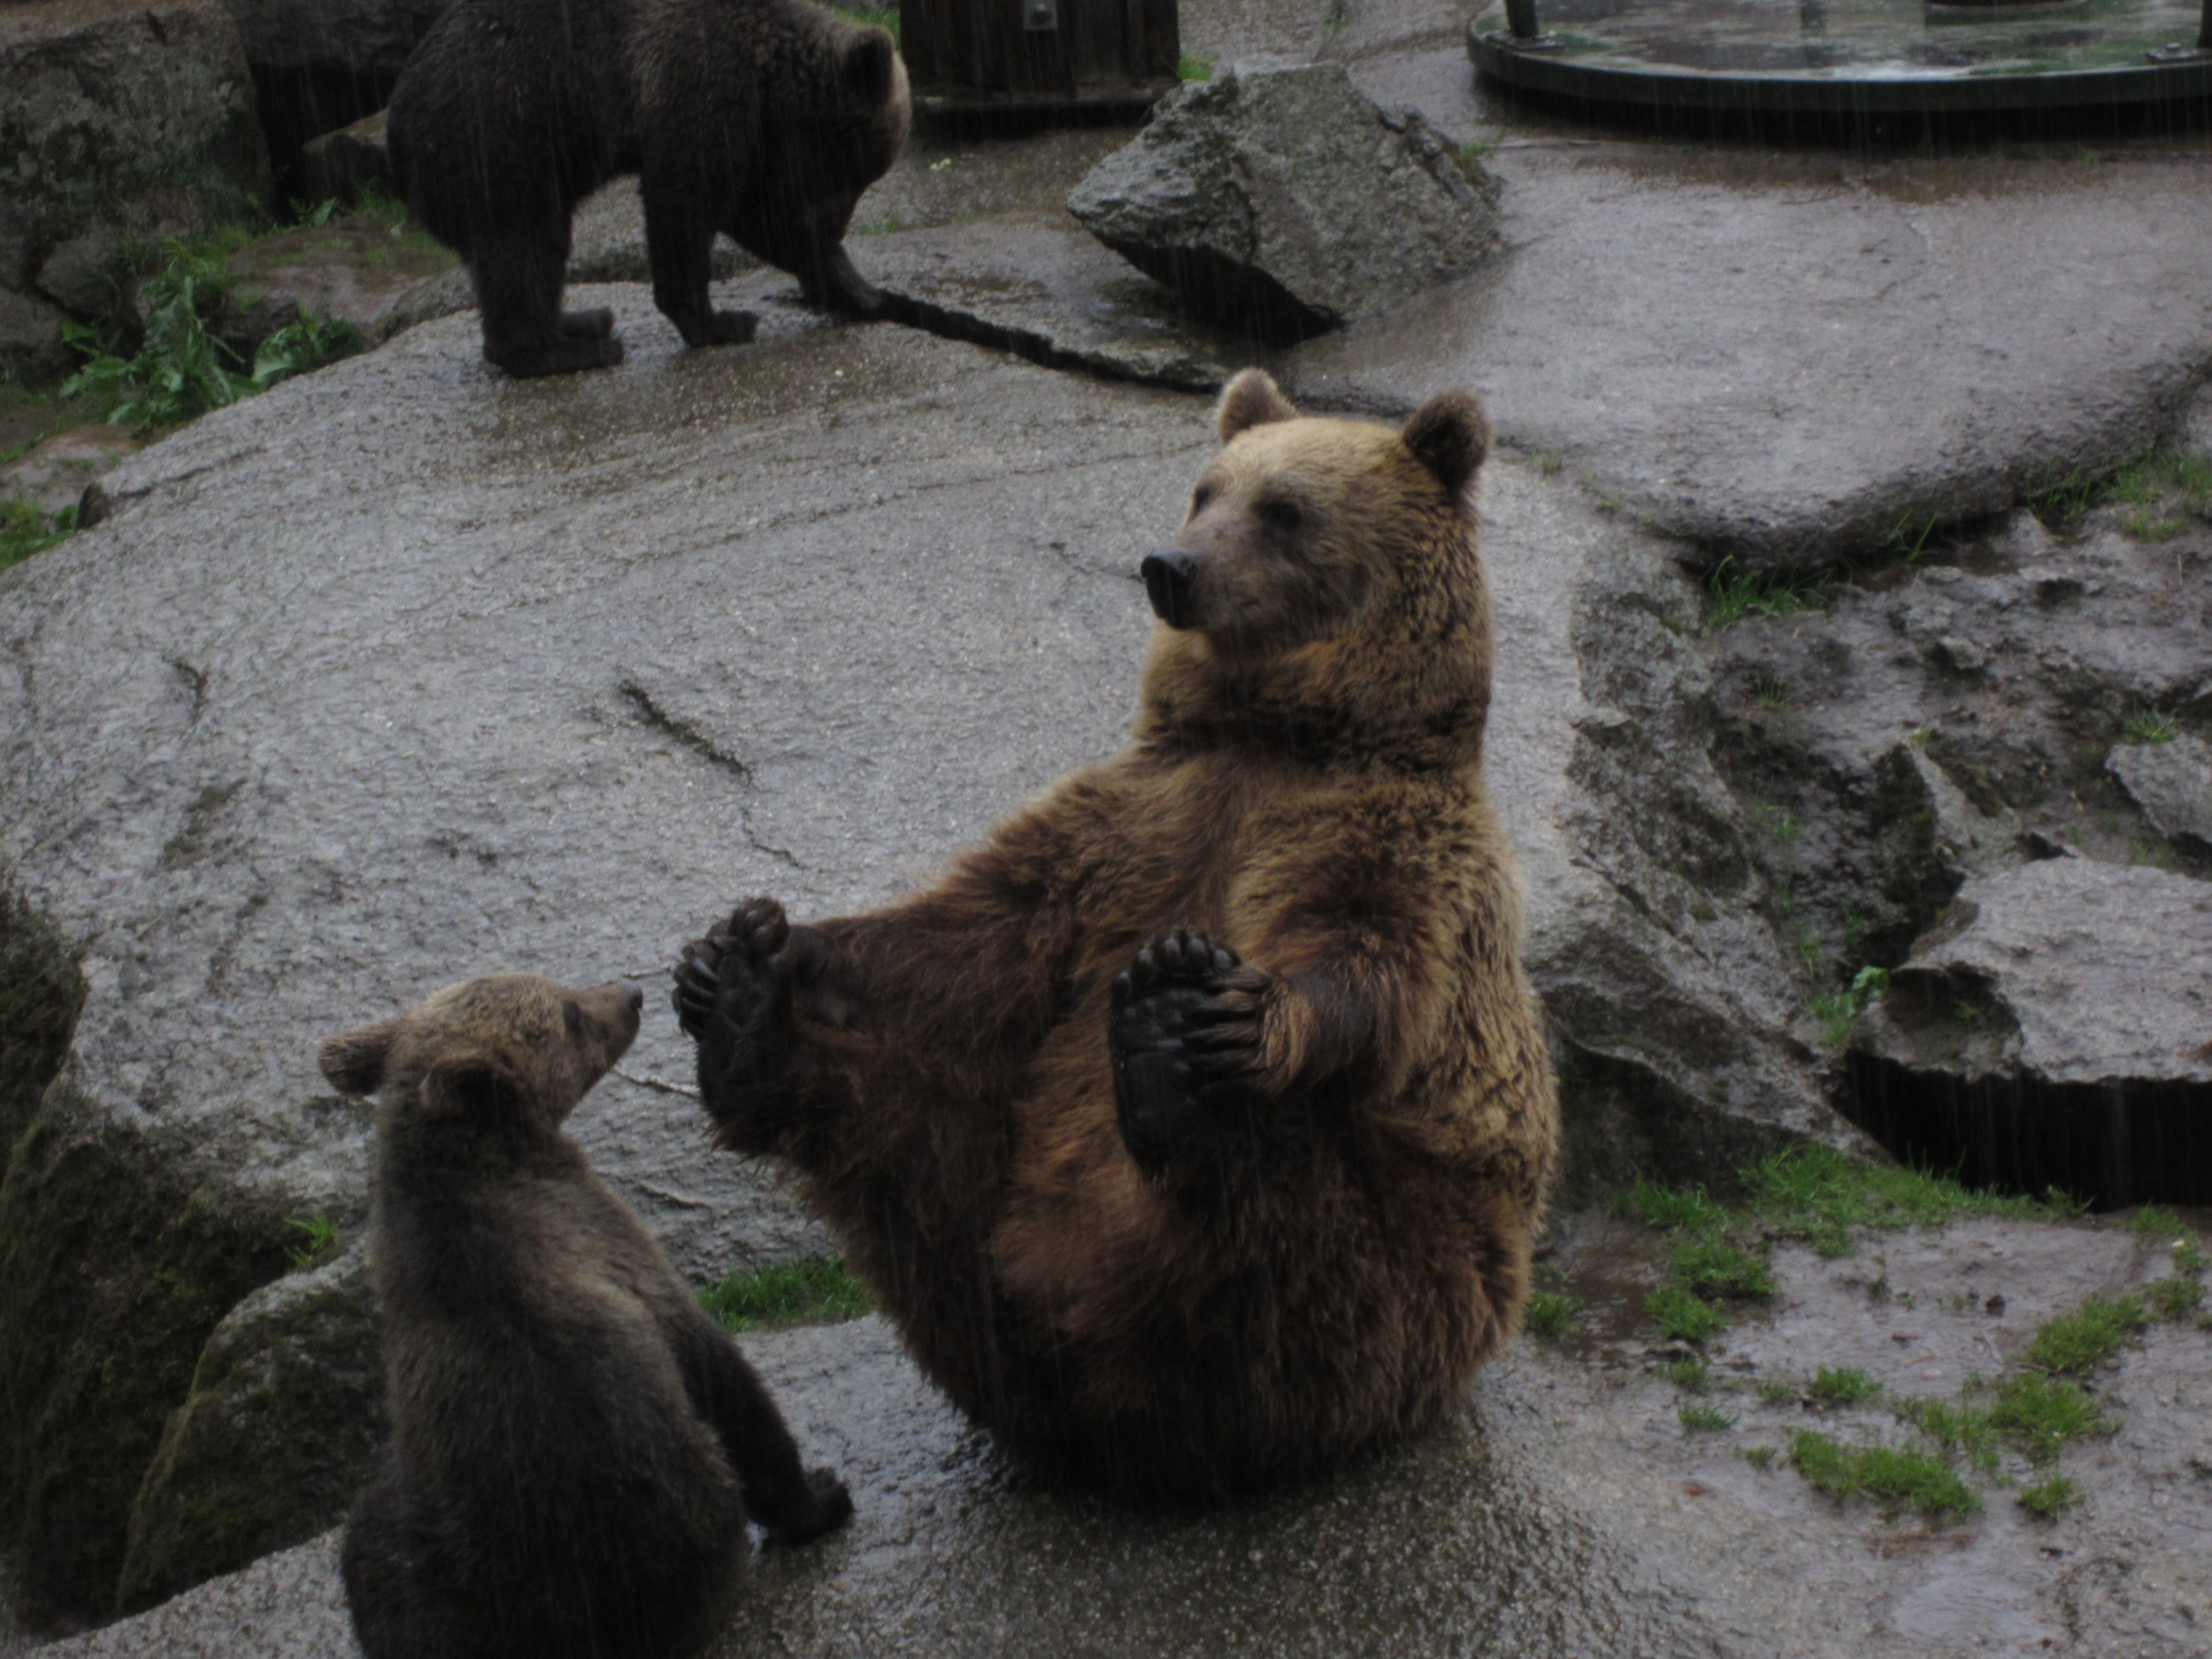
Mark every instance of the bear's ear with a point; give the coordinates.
(472, 1084)
(355, 1062)
(1449, 435)
(867, 67)
(1252, 399)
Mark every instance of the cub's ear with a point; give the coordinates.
(867, 67)
(1449, 435)
(472, 1084)
(355, 1062)
(1252, 399)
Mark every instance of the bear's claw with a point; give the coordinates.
(1183, 1036)
(733, 996)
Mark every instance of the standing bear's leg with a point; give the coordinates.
(680, 242)
(519, 276)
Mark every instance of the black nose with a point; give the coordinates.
(1167, 575)
(635, 992)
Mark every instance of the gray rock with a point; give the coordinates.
(31, 345)
(2062, 972)
(88, 273)
(344, 165)
(1280, 203)
(141, 116)
(364, 37)
(53, 474)
(286, 1411)
(2195, 433)
(2172, 783)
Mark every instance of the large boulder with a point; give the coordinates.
(1280, 203)
(2172, 782)
(119, 121)
(2051, 1029)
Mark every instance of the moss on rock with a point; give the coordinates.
(116, 1262)
(281, 1428)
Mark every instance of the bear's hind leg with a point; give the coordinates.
(680, 243)
(518, 279)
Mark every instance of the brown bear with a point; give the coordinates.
(762, 118)
(576, 1446)
(1196, 1128)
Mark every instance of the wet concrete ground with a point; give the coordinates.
(1567, 1512)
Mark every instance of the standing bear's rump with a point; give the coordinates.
(1196, 1127)
(765, 120)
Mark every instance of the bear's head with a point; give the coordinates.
(1324, 587)
(830, 132)
(507, 1052)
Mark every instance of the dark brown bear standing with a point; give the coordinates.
(576, 1446)
(1196, 1128)
(762, 118)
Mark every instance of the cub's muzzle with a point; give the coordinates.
(1168, 575)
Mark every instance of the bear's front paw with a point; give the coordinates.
(733, 997)
(730, 328)
(1184, 1038)
(823, 1506)
(595, 324)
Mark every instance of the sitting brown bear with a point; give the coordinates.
(576, 1446)
(762, 118)
(1194, 1129)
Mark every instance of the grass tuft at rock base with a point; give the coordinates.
(1891, 1476)
(786, 1293)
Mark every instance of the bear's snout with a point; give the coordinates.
(1168, 574)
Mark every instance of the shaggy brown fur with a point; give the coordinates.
(1183, 1212)
(762, 118)
(576, 1446)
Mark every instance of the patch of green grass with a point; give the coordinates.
(1760, 1457)
(791, 1293)
(1838, 1012)
(1732, 592)
(1842, 1386)
(1904, 546)
(1683, 1317)
(2042, 1413)
(1698, 1418)
(2048, 1500)
(1194, 66)
(1680, 1208)
(1779, 822)
(1773, 692)
(1689, 1373)
(25, 530)
(2148, 726)
(2175, 1299)
(1774, 1392)
(318, 1237)
(1957, 1427)
(2076, 1342)
(1893, 1477)
(1817, 1194)
(1716, 1270)
(1550, 1312)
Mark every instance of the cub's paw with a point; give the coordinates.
(824, 1507)
(1184, 1038)
(733, 996)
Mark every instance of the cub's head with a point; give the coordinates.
(1326, 571)
(505, 1052)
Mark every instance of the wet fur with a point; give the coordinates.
(762, 118)
(576, 1446)
(1303, 1215)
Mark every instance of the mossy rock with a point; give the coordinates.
(116, 1262)
(281, 1428)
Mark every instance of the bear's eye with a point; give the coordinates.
(1281, 514)
(1199, 497)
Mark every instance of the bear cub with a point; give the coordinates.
(762, 118)
(576, 1446)
(1195, 1128)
